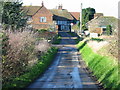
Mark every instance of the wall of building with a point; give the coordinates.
(63, 25)
(97, 30)
(43, 12)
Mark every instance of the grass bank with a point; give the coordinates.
(37, 70)
(103, 67)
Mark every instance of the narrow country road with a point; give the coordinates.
(66, 70)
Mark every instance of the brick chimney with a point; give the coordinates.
(60, 7)
(42, 3)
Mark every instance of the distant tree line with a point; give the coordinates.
(87, 15)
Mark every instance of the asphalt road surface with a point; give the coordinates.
(66, 70)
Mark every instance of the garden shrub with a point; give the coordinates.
(56, 39)
(96, 39)
(18, 51)
(34, 72)
(45, 34)
(41, 47)
(109, 30)
(21, 51)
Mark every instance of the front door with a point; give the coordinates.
(59, 27)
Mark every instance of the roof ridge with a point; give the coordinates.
(108, 16)
(31, 10)
(31, 6)
(57, 9)
(74, 12)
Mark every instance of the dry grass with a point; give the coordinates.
(108, 47)
(112, 48)
(97, 45)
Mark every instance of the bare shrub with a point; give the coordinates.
(21, 50)
(47, 35)
(113, 46)
(111, 49)
(42, 47)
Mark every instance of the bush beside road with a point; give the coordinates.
(35, 71)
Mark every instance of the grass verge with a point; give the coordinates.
(96, 39)
(103, 67)
(37, 70)
(73, 34)
(56, 39)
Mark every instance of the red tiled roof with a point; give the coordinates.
(76, 15)
(31, 10)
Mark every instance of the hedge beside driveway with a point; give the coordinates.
(37, 70)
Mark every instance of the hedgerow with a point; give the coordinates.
(33, 72)
(20, 51)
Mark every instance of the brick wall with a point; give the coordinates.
(43, 12)
(95, 30)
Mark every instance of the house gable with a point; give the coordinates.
(75, 15)
(42, 12)
(61, 15)
(42, 18)
(103, 21)
(31, 10)
(39, 16)
(100, 22)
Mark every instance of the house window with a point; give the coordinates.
(42, 19)
(58, 22)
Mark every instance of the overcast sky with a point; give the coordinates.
(107, 7)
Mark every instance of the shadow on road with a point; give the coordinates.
(65, 71)
(68, 39)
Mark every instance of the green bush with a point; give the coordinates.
(104, 68)
(4, 41)
(45, 34)
(109, 30)
(97, 39)
(56, 39)
(25, 79)
(41, 30)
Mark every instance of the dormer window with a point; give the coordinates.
(42, 19)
